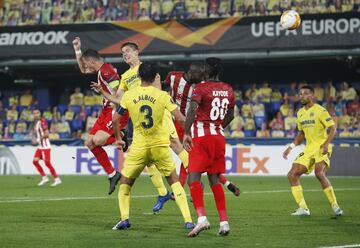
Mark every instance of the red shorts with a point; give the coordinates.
(104, 122)
(208, 155)
(43, 154)
(179, 130)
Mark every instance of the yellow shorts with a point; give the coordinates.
(169, 123)
(313, 155)
(138, 158)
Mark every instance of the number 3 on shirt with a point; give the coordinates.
(219, 108)
(149, 121)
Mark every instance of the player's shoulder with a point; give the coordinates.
(176, 73)
(320, 108)
(43, 122)
(300, 112)
(108, 67)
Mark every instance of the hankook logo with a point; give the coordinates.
(33, 38)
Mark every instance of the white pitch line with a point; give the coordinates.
(74, 198)
(341, 246)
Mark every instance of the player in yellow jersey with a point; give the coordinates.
(146, 106)
(129, 80)
(313, 122)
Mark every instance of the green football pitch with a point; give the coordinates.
(79, 213)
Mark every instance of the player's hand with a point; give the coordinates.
(34, 141)
(120, 144)
(95, 87)
(187, 142)
(77, 44)
(325, 148)
(286, 153)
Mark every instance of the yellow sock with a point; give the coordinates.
(181, 201)
(184, 157)
(157, 180)
(124, 201)
(330, 194)
(297, 192)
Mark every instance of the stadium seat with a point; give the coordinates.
(275, 107)
(62, 108)
(76, 108)
(64, 135)
(20, 108)
(88, 110)
(249, 133)
(96, 108)
(259, 121)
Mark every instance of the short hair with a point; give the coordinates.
(148, 72)
(91, 53)
(307, 87)
(213, 67)
(133, 45)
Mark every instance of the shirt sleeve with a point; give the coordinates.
(168, 79)
(123, 86)
(326, 119)
(123, 102)
(231, 98)
(111, 77)
(196, 94)
(169, 103)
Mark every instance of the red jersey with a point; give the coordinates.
(107, 74)
(214, 99)
(40, 127)
(181, 90)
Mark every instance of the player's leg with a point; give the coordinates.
(177, 147)
(36, 159)
(296, 189)
(320, 173)
(47, 160)
(219, 197)
(94, 143)
(216, 146)
(165, 164)
(157, 181)
(134, 165)
(229, 185)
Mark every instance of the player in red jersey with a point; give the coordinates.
(211, 109)
(43, 151)
(102, 132)
(181, 88)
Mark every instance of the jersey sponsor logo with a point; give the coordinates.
(307, 122)
(220, 93)
(329, 119)
(34, 38)
(131, 79)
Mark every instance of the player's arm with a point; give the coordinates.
(120, 112)
(179, 117)
(331, 136)
(190, 118)
(157, 81)
(228, 117)
(97, 87)
(297, 141)
(77, 49)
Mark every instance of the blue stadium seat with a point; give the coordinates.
(62, 108)
(64, 135)
(20, 108)
(275, 107)
(76, 108)
(249, 133)
(96, 108)
(259, 121)
(88, 110)
(76, 125)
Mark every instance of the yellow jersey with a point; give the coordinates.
(130, 79)
(314, 122)
(146, 106)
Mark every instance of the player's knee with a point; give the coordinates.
(35, 160)
(98, 141)
(291, 175)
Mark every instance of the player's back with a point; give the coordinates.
(214, 99)
(146, 106)
(180, 90)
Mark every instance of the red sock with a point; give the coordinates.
(51, 168)
(219, 197)
(222, 179)
(38, 167)
(197, 196)
(183, 175)
(103, 159)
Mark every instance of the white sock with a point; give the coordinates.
(227, 183)
(112, 174)
(44, 177)
(202, 219)
(224, 223)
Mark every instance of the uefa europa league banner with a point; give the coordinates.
(234, 34)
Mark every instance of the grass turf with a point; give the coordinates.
(79, 213)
